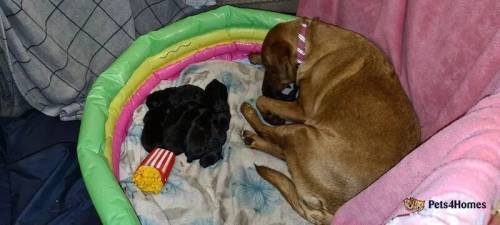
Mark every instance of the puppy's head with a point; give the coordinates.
(159, 99)
(216, 93)
(279, 58)
(188, 93)
(152, 132)
(210, 158)
(214, 152)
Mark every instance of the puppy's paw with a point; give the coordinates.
(255, 58)
(247, 137)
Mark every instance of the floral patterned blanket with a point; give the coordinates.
(229, 192)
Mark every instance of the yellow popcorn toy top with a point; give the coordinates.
(148, 179)
(152, 174)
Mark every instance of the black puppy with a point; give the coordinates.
(207, 134)
(162, 105)
(210, 158)
(175, 96)
(217, 100)
(198, 136)
(152, 133)
(219, 124)
(177, 124)
(188, 119)
(205, 139)
(216, 93)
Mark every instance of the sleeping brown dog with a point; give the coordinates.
(352, 119)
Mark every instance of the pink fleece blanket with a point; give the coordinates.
(446, 52)
(461, 162)
(447, 55)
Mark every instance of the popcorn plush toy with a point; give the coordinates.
(152, 173)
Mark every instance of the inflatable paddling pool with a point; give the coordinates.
(225, 33)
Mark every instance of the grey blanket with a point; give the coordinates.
(51, 51)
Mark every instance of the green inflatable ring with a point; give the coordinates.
(110, 202)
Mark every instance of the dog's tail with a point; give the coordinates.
(314, 214)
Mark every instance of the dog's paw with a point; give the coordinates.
(318, 217)
(247, 110)
(255, 58)
(247, 137)
(314, 209)
(312, 202)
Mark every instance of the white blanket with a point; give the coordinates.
(229, 192)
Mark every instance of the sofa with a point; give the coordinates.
(447, 56)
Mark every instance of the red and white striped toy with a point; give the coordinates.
(152, 173)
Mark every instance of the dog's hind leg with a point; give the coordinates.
(287, 189)
(252, 140)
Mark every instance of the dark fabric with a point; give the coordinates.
(12, 103)
(283, 6)
(52, 51)
(40, 181)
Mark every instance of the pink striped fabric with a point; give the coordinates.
(161, 159)
(301, 43)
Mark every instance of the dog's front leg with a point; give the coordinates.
(269, 139)
(263, 130)
(265, 139)
(253, 140)
(269, 107)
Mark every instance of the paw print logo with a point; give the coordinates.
(414, 205)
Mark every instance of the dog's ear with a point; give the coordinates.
(287, 63)
(255, 58)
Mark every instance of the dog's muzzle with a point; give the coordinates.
(290, 93)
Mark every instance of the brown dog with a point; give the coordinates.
(353, 121)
